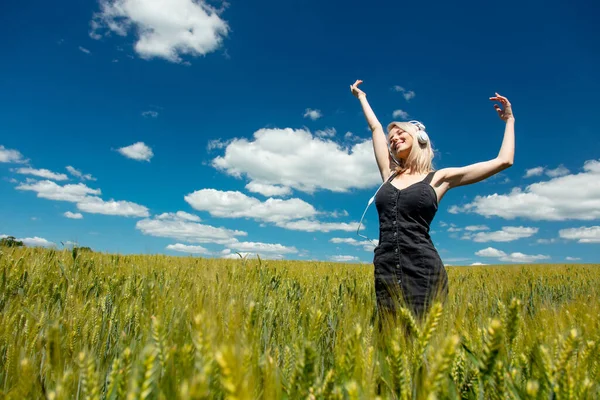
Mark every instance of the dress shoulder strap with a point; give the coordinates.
(429, 177)
(392, 176)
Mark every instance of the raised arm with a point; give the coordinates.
(380, 147)
(473, 173)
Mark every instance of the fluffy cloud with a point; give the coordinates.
(507, 234)
(292, 214)
(367, 245)
(184, 248)
(187, 231)
(179, 215)
(84, 50)
(95, 205)
(165, 28)
(318, 226)
(312, 114)
(326, 133)
(150, 113)
(295, 159)
(262, 248)
(561, 170)
(72, 215)
(85, 197)
(512, 257)
(42, 173)
(569, 197)
(79, 174)
(238, 205)
(572, 258)
(268, 190)
(537, 171)
(341, 258)
(408, 94)
(10, 156)
(583, 234)
(52, 191)
(473, 228)
(137, 151)
(33, 242)
(400, 114)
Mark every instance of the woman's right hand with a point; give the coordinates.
(356, 91)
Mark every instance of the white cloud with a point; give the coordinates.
(590, 234)
(569, 197)
(318, 226)
(217, 144)
(507, 234)
(79, 174)
(537, 171)
(184, 248)
(300, 161)
(43, 173)
(561, 170)
(478, 263)
(150, 113)
(546, 241)
(400, 114)
(10, 156)
(95, 205)
(187, 231)
(179, 215)
(85, 197)
(52, 191)
(268, 190)
(338, 214)
(36, 242)
(263, 248)
(72, 215)
(408, 94)
(512, 257)
(572, 258)
(312, 114)
(326, 133)
(231, 204)
(367, 245)
(352, 137)
(165, 28)
(472, 228)
(137, 151)
(341, 258)
(84, 50)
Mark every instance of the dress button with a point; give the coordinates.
(395, 233)
(397, 265)
(394, 223)
(396, 249)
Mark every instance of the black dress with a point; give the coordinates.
(408, 268)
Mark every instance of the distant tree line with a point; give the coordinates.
(10, 241)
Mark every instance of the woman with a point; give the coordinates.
(408, 268)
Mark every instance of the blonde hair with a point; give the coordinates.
(420, 158)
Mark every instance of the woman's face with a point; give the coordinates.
(400, 142)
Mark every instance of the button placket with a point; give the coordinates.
(397, 248)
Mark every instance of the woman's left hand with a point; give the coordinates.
(506, 113)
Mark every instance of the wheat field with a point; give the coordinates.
(83, 325)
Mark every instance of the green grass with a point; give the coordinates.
(96, 326)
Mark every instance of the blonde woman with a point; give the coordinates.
(408, 268)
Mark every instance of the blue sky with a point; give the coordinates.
(210, 128)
